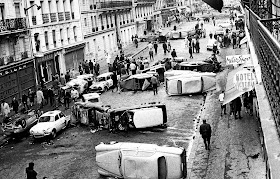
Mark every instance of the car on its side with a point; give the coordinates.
(103, 83)
(78, 83)
(20, 123)
(91, 97)
(49, 124)
(140, 160)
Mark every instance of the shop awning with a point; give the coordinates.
(231, 92)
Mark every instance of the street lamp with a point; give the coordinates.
(26, 9)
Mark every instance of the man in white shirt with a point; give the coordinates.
(5, 109)
(133, 68)
(74, 94)
(221, 99)
(150, 46)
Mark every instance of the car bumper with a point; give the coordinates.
(37, 136)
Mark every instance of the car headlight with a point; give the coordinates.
(31, 132)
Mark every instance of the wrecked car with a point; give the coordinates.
(103, 83)
(140, 160)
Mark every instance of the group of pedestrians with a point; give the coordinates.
(89, 67)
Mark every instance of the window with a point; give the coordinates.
(61, 36)
(68, 35)
(85, 19)
(75, 34)
(46, 40)
(56, 117)
(88, 46)
(50, 7)
(2, 11)
(54, 39)
(17, 9)
(91, 18)
(61, 115)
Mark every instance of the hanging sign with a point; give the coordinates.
(238, 59)
(244, 80)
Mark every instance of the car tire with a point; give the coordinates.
(23, 123)
(53, 134)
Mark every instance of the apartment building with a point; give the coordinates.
(16, 63)
(56, 36)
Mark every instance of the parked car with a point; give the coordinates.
(103, 83)
(148, 38)
(162, 39)
(139, 160)
(91, 97)
(49, 124)
(20, 123)
(80, 84)
(189, 84)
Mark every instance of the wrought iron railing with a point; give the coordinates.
(268, 52)
(61, 16)
(24, 55)
(67, 16)
(53, 17)
(46, 18)
(12, 24)
(114, 4)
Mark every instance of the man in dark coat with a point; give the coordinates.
(24, 101)
(46, 94)
(155, 46)
(67, 76)
(115, 81)
(90, 66)
(164, 46)
(51, 95)
(15, 105)
(237, 104)
(205, 131)
(30, 172)
(31, 96)
(96, 68)
(67, 99)
(173, 54)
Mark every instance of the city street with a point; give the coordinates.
(72, 154)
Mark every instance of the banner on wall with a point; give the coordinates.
(238, 59)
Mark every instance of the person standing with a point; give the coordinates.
(213, 19)
(151, 52)
(154, 82)
(164, 46)
(155, 47)
(40, 98)
(197, 46)
(233, 40)
(30, 172)
(168, 45)
(136, 42)
(190, 48)
(133, 68)
(74, 94)
(15, 105)
(90, 66)
(62, 79)
(205, 132)
(67, 97)
(51, 96)
(221, 99)
(96, 69)
(31, 96)
(80, 68)
(250, 102)
(115, 81)
(173, 54)
(24, 101)
(237, 104)
(193, 44)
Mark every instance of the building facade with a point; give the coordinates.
(17, 73)
(56, 36)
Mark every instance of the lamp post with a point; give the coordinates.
(29, 34)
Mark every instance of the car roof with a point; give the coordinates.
(85, 76)
(105, 74)
(51, 113)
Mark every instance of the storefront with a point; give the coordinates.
(73, 56)
(16, 79)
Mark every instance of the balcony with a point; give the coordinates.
(115, 4)
(46, 18)
(34, 20)
(24, 55)
(67, 16)
(73, 15)
(60, 16)
(13, 24)
(53, 17)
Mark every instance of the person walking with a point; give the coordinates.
(164, 46)
(168, 45)
(193, 44)
(40, 98)
(173, 54)
(197, 46)
(155, 47)
(15, 105)
(205, 132)
(221, 99)
(154, 82)
(30, 172)
(136, 42)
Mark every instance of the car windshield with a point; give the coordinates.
(94, 100)
(45, 119)
(100, 79)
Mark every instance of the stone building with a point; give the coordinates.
(16, 63)
(56, 36)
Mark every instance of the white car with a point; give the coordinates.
(103, 83)
(138, 160)
(87, 77)
(80, 84)
(49, 124)
(91, 97)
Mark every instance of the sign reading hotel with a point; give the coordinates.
(244, 80)
(238, 59)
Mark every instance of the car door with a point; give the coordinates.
(63, 118)
(58, 123)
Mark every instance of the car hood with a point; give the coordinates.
(98, 84)
(42, 126)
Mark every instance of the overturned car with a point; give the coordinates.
(139, 160)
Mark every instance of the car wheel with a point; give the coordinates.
(23, 123)
(53, 134)
(105, 88)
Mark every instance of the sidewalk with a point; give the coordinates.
(235, 146)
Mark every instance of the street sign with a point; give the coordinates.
(244, 80)
(238, 59)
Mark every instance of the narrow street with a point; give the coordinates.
(72, 155)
